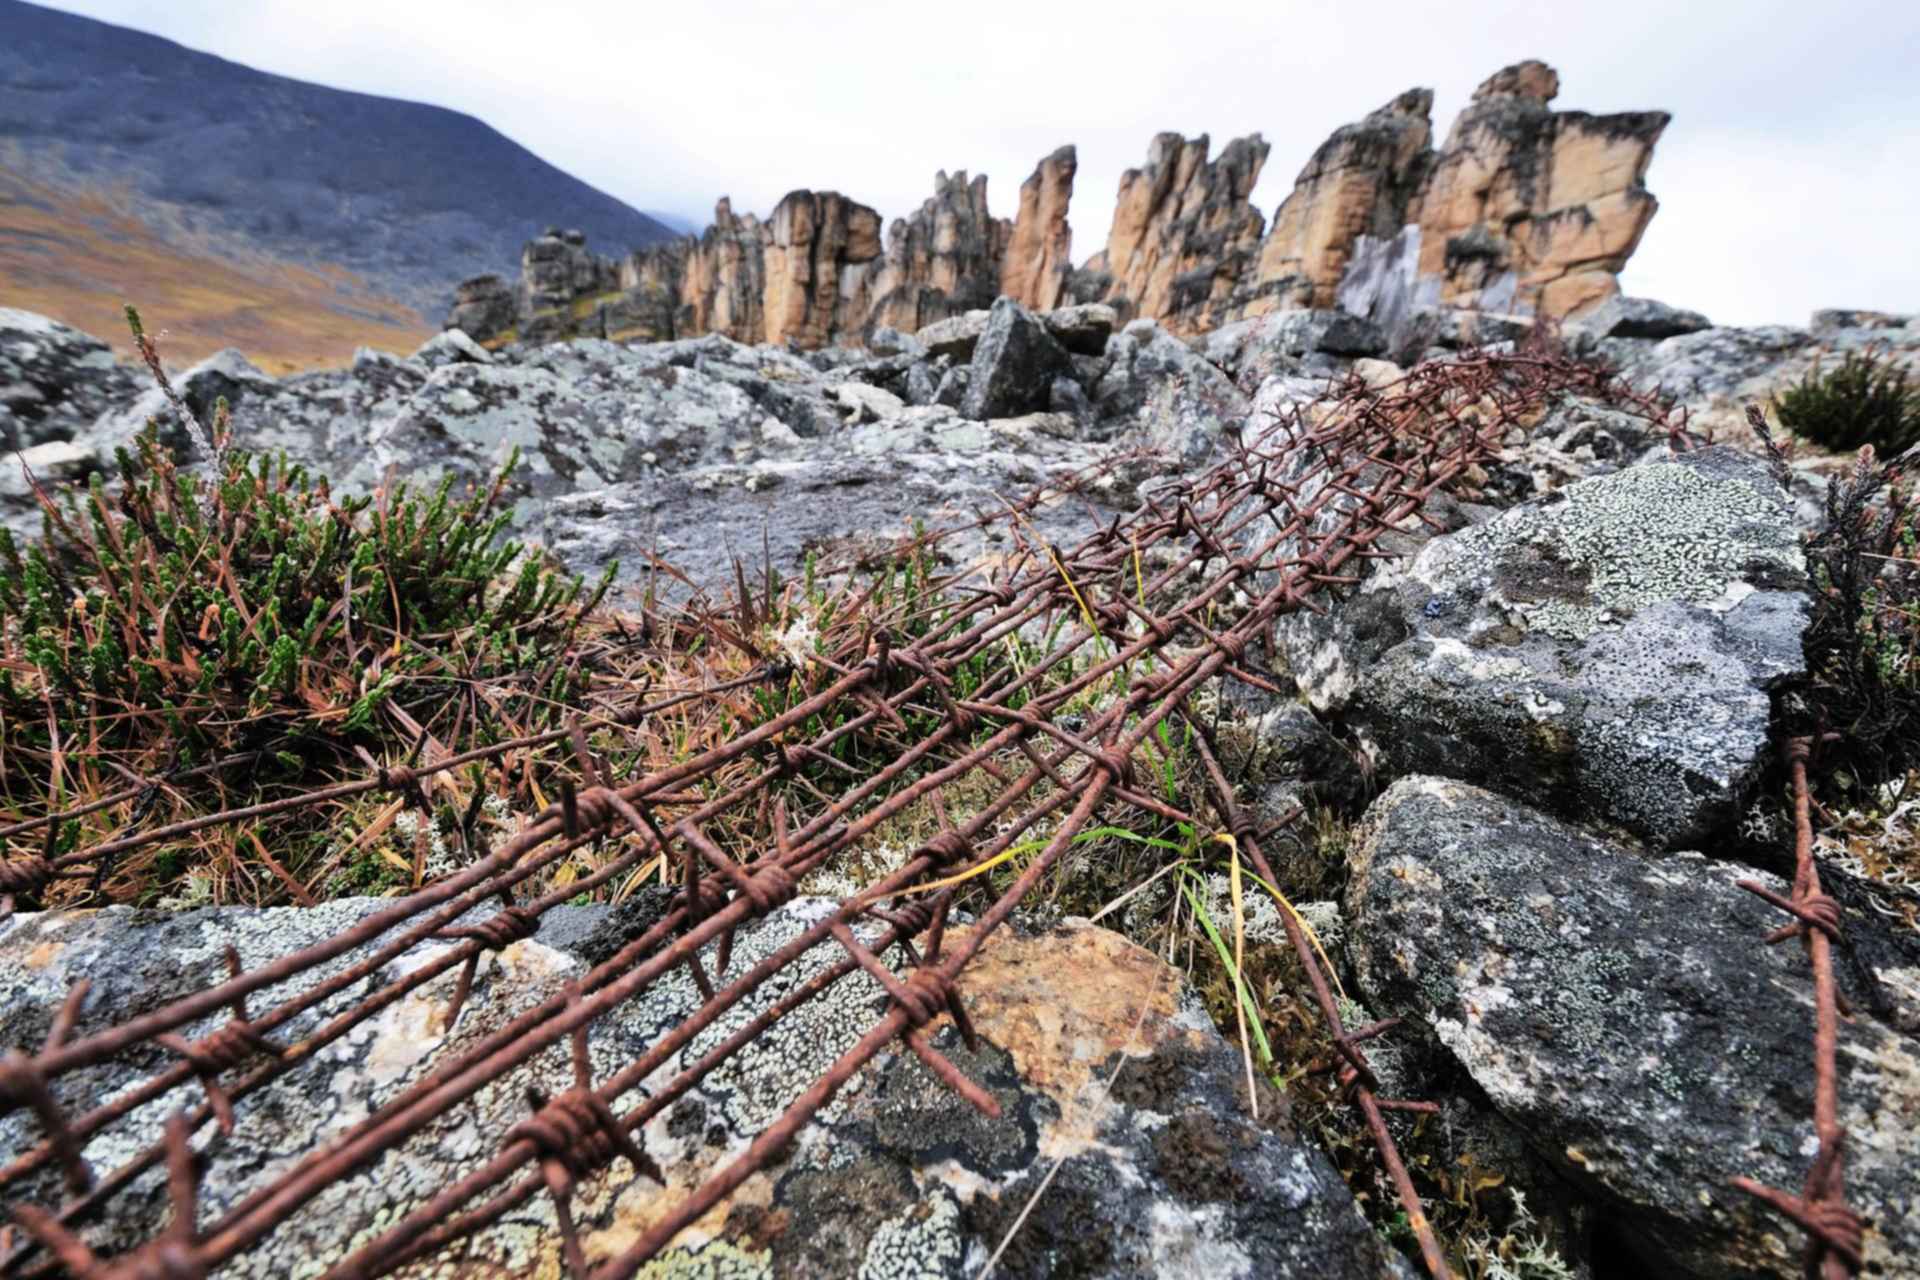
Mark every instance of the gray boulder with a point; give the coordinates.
(1082, 329)
(1280, 343)
(52, 465)
(1013, 366)
(861, 402)
(955, 336)
(1623, 1013)
(584, 429)
(1163, 1173)
(1834, 319)
(1606, 650)
(451, 346)
(1712, 362)
(1623, 317)
(55, 380)
(1183, 404)
(888, 341)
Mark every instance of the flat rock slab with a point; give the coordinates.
(1163, 1174)
(1622, 1011)
(1605, 651)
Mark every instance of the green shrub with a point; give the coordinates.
(1869, 399)
(201, 612)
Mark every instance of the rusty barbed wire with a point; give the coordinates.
(1141, 614)
(1834, 1230)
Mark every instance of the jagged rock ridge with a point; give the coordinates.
(1523, 211)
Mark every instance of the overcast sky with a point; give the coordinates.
(1788, 180)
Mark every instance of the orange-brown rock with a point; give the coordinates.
(1039, 256)
(725, 278)
(1358, 183)
(943, 260)
(822, 254)
(1524, 210)
(1184, 233)
(1532, 209)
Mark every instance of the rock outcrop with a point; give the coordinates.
(1525, 210)
(822, 252)
(54, 380)
(1039, 256)
(944, 259)
(1185, 232)
(1531, 209)
(1359, 183)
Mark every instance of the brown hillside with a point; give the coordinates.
(81, 257)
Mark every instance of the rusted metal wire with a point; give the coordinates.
(1143, 613)
(1834, 1230)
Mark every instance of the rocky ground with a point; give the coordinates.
(1560, 703)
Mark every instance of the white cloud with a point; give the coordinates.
(1787, 180)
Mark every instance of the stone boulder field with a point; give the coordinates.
(1269, 753)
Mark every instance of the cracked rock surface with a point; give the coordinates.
(1623, 1013)
(1165, 1175)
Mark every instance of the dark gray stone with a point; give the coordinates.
(55, 380)
(1623, 1013)
(1082, 330)
(1013, 366)
(1623, 317)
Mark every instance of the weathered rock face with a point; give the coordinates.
(1605, 651)
(1014, 364)
(944, 260)
(483, 308)
(1163, 1174)
(1531, 209)
(1184, 232)
(558, 274)
(1039, 256)
(1525, 210)
(1359, 183)
(1622, 1012)
(725, 279)
(822, 253)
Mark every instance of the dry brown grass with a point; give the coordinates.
(80, 259)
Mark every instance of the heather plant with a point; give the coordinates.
(195, 613)
(1869, 400)
(235, 631)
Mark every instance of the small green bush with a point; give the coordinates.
(1869, 399)
(206, 612)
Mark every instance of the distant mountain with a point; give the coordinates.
(679, 224)
(386, 204)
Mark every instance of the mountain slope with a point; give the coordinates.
(392, 202)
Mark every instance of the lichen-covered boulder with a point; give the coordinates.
(584, 425)
(1707, 363)
(1163, 1173)
(1624, 1014)
(54, 379)
(1605, 650)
